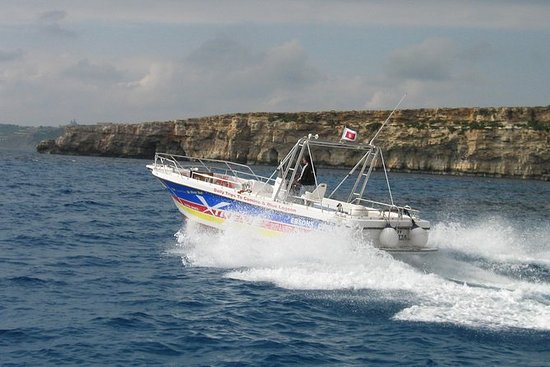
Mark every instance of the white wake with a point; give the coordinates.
(471, 281)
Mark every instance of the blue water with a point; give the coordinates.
(97, 268)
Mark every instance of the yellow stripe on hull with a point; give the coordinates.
(212, 220)
(203, 217)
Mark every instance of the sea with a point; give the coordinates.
(98, 268)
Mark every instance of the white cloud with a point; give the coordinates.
(227, 77)
(222, 52)
(484, 14)
(86, 71)
(6, 56)
(216, 78)
(224, 76)
(50, 22)
(437, 60)
(130, 60)
(435, 72)
(52, 16)
(432, 59)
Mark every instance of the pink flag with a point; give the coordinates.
(349, 134)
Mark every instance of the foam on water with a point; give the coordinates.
(446, 287)
(495, 239)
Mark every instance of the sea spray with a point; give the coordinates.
(497, 246)
(495, 238)
(338, 260)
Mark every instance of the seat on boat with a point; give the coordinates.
(260, 188)
(348, 208)
(316, 195)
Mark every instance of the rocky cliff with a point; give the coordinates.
(488, 141)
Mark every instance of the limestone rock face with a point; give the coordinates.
(486, 141)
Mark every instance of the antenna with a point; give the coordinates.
(381, 127)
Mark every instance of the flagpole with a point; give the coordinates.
(381, 127)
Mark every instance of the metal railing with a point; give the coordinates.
(389, 208)
(179, 163)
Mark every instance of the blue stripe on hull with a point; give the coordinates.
(224, 204)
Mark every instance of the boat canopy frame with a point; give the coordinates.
(289, 167)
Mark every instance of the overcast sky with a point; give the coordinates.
(137, 60)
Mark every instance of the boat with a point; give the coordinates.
(216, 192)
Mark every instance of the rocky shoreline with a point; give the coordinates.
(505, 141)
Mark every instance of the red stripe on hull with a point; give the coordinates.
(242, 218)
(203, 209)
